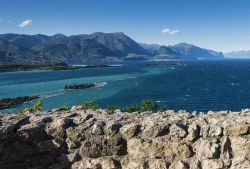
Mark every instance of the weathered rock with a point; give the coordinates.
(206, 149)
(112, 128)
(103, 146)
(73, 157)
(236, 129)
(17, 151)
(195, 164)
(240, 164)
(178, 130)
(129, 163)
(215, 131)
(87, 164)
(110, 163)
(240, 152)
(10, 124)
(158, 164)
(83, 117)
(87, 139)
(56, 166)
(32, 132)
(75, 135)
(226, 149)
(129, 130)
(193, 132)
(47, 146)
(141, 148)
(227, 163)
(178, 165)
(153, 129)
(6, 131)
(205, 131)
(43, 118)
(57, 129)
(212, 164)
(98, 128)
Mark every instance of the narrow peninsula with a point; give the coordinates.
(6, 103)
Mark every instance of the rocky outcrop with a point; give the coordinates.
(87, 139)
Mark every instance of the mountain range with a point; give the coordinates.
(96, 46)
(238, 54)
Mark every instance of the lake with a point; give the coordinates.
(200, 85)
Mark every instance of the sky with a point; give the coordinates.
(222, 25)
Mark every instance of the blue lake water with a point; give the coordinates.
(201, 86)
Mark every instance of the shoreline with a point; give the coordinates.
(23, 67)
(54, 68)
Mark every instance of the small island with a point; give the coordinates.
(98, 66)
(36, 66)
(80, 86)
(95, 66)
(6, 103)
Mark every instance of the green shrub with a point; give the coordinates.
(163, 108)
(90, 104)
(112, 108)
(25, 110)
(147, 105)
(37, 106)
(132, 108)
(64, 107)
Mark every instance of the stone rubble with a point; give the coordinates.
(88, 139)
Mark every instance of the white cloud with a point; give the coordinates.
(25, 23)
(167, 30)
(170, 31)
(173, 32)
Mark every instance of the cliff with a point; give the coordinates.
(82, 139)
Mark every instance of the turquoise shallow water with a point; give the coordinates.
(202, 86)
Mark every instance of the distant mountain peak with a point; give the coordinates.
(184, 45)
(238, 54)
(59, 35)
(195, 52)
(103, 33)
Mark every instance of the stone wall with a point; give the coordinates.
(86, 139)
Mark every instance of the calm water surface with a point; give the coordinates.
(202, 86)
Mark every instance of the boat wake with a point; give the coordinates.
(52, 94)
(101, 84)
(160, 101)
